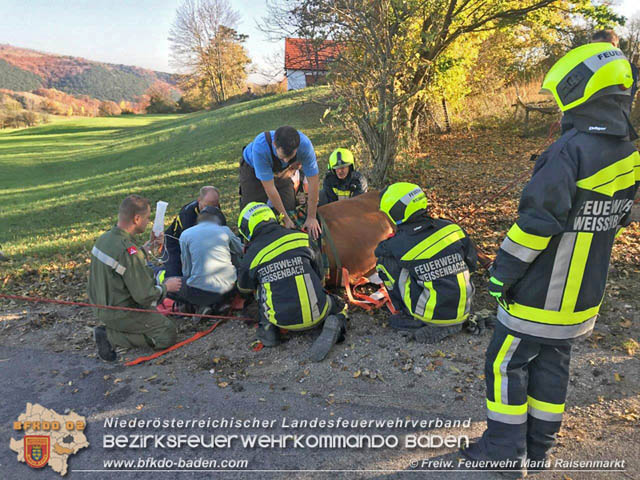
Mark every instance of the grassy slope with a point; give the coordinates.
(61, 183)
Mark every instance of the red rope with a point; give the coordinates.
(174, 347)
(365, 301)
(126, 309)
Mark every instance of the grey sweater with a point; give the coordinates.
(206, 252)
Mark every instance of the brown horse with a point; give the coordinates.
(356, 226)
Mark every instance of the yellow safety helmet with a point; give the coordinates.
(402, 200)
(341, 157)
(586, 72)
(251, 216)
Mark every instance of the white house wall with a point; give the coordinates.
(295, 79)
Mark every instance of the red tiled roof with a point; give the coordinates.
(301, 54)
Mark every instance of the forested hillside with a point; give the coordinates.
(25, 70)
(14, 78)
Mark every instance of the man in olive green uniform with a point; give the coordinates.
(120, 277)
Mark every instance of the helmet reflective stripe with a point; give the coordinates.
(587, 72)
(600, 59)
(401, 200)
(251, 215)
(341, 157)
(411, 195)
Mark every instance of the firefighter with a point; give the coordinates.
(550, 272)
(342, 181)
(187, 217)
(120, 277)
(286, 274)
(425, 266)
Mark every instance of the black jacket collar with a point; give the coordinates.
(608, 115)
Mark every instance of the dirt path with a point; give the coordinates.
(47, 356)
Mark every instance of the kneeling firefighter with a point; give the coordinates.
(342, 181)
(550, 273)
(425, 266)
(283, 270)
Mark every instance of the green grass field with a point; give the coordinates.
(61, 183)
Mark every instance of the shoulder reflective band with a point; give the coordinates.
(281, 245)
(529, 240)
(618, 176)
(107, 260)
(434, 243)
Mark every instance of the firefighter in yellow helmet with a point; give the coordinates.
(342, 180)
(425, 266)
(286, 275)
(550, 272)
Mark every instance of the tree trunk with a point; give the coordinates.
(445, 111)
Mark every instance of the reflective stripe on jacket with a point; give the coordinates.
(435, 258)
(555, 257)
(354, 184)
(281, 267)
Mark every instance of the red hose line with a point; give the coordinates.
(109, 307)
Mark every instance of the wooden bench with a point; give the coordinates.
(545, 108)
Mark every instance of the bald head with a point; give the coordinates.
(209, 197)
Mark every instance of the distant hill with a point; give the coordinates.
(25, 70)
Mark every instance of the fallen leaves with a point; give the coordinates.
(631, 346)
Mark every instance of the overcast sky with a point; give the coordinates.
(131, 32)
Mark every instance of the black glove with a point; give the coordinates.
(498, 290)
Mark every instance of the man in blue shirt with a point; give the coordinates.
(266, 168)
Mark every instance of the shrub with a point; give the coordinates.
(109, 109)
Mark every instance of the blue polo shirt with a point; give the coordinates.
(258, 155)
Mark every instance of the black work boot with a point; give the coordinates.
(331, 331)
(481, 460)
(105, 350)
(431, 334)
(404, 322)
(268, 334)
(343, 331)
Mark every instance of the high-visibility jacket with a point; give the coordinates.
(354, 184)
(427, 265)
(280, 265)
(555, 258)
